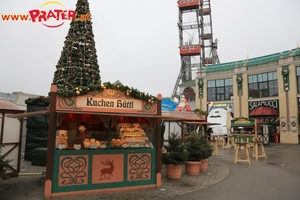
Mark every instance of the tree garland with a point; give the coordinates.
(129, 91)
(201, 112)
(134, 93)
(35, 100)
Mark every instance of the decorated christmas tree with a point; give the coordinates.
(77, 70)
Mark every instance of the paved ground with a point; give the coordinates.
(278, 177)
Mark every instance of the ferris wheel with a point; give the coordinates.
(197, 48)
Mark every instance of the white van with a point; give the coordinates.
(218, 116)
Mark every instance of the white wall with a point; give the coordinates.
(171, 127)
(11, 133)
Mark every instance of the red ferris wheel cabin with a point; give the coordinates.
(188, 4)
(192, 49)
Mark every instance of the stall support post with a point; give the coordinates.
(50, 145)
(20, 140)
(158, 143)
(255, 127)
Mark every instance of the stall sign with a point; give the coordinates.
(211, 106)
(242, 122)
(168, 105)
(91, 102)
(266, 103)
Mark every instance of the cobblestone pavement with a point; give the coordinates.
(274, 178)
(30, 184)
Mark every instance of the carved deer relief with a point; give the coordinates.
(107, 171)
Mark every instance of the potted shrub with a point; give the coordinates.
(193, 147)
(206, 152)
(4, 164)
(175, 156)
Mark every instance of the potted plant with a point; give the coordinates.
(193, 147)
(175, 156)
(206, 152)
(4, 164)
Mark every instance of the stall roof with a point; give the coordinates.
(258, 121)
(7, 105)
(168, 116)
(182, 116)
(264, 111)
(201, 123)
(46, 112)
(29, 114)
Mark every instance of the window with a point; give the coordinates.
(85, 131)
(263, 85)
(298, 79)
(219, 90)
(189, 93)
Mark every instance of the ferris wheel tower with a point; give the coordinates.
(196, 45)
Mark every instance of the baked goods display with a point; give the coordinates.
(91, 143)
(62, 139)
(130, 136)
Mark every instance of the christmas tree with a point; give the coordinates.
(77, 70)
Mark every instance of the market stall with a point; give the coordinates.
(120, 148)
(176, 122)
(10, 137)
(244, 129)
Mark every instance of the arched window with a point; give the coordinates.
(189, 93)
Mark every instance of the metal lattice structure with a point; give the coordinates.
(196, 44)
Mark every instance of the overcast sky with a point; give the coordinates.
(137, 40)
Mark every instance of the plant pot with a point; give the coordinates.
(192, 167)
(203, 165)
(173, 171)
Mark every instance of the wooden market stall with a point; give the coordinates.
(121, 153)
(11, 136)
(177, 121)
(244, 129)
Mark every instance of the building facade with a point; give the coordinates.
(266, 88)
